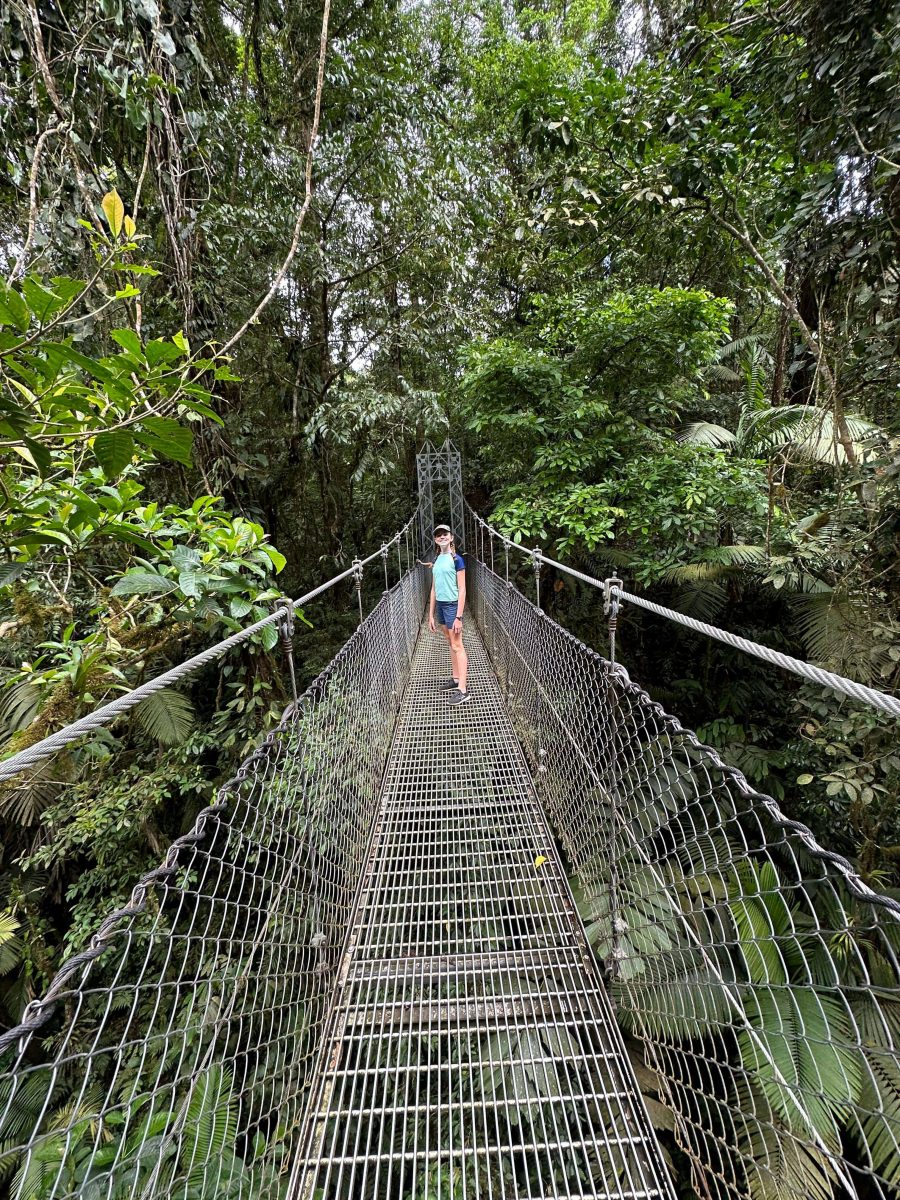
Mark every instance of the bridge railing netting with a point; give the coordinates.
(755, 975)
(171, 1057)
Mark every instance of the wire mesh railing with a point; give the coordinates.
(171, 1057)
(755, 971)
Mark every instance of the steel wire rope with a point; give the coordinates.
(849, 687)
(854, 884)
(32, 755)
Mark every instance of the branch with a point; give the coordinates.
(307, 198)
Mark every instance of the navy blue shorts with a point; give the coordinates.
(445, 611)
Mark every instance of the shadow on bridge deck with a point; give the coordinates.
(471, 1049)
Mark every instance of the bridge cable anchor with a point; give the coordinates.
(611, 601)
(285, 610)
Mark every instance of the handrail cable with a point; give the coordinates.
(614, 591)
(48, 746)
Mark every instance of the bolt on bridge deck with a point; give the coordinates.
(471, 1049)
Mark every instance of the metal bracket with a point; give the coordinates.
(611, 601)
(285, 609)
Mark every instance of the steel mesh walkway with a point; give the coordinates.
(471, 1049)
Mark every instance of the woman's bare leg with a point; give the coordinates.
(453, 666)
(460, 659)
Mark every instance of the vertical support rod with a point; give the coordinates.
(286, 638)
(536, 562)
(611, 609)
(357, 579)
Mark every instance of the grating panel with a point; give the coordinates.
(470, 1050)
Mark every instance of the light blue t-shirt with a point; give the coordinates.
(446, 587)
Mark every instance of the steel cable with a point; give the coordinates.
(54, 742)
(848, 687)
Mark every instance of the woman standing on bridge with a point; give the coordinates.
(448, 596)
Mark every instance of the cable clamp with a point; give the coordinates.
(285, 609)
(611, 587)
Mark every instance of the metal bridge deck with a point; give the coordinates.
(471, 1050)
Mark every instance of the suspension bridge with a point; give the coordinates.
(546, 944)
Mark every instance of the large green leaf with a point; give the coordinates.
(113, 451)
(763, 921)
(10, 572)
(168, 438)
(143, 583)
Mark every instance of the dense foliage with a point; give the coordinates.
(640, 261)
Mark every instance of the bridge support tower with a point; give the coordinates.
(441, 466)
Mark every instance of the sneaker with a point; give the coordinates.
(459, 697)
(448, 684)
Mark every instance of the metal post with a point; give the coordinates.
(384, 558)
(536, 563)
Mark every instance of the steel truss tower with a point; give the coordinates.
(443, 466)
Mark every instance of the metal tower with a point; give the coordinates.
(440, 466)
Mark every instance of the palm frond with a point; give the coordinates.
(778, 1165)
(704, 600)
(19, 705)
(799, 1048)
(748, 341)
(831, 628)
(696, 573)
(878, 1112)
(818, 438)
(706, 433)
(725, 374)
(167, 716)
(10, 943)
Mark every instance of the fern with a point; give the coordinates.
(704, 601)
(167, 716)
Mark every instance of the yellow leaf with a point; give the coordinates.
(114, 210)
(539, 861)
(130, 227)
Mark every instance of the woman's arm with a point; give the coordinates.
(461, 603)
(431, 609)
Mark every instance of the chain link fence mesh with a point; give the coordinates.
(755, 972)
(171, 1057)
